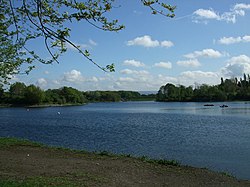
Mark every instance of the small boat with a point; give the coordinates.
(208, 105)
(223, 106)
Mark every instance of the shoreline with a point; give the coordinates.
(30, 163)
(81, 104)
(41, 106)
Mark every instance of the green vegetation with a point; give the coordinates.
(65, 181)
(160, 161)
(142, 158)
(21, 95)
(7, 142)
(227, 90)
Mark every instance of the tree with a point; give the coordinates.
(72, 95)
(17, 91)
(1, 92)
(33, 95)
(24, 21)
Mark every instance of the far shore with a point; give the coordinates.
(41, 105)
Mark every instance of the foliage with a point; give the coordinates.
(25, 21)
(160, 161)
(227, 90)
(6, 142)
(1, 92)
(33, 95)
(20, 94)
(17, 91)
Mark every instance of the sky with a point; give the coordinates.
(206, 40)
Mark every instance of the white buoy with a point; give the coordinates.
(58, 113)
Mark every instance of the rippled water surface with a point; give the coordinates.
(213, 137)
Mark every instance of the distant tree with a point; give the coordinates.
(221, 81)
(189, 93)
(33, 95)
(228, 90)
(17, 91)
(160, 96)
(53, 96)
(128, 95)
(72, 95)
(110, 96)
(23, 21)
(93, 95)
(1, 93)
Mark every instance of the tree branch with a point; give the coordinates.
(15, 21)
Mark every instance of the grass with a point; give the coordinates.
(6, 142)
(227, 174)
(142, 158)
(160, 161)
(74, 179)
(38, 181)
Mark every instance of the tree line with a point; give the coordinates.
(228, 90)
(19, 94)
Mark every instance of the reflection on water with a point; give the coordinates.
(204, 136)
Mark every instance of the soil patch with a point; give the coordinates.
(34, 165)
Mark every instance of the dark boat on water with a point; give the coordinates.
(223, 106)
(208, 105)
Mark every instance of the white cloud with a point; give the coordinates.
(46, 72)
(211, 53)
(229, 40)
(147, 41)
(208, 14)
(167, 79)
(73, 76)
(133, 63)
(144, 41)
(93, 79)
(233, 40)
(200, 77)
(167, 44)
(126, 71)
(134, 72)
(189, 63)
(237, 66)
(92, 42)
(82, 46)
(198, 74)
(166, 65)
(56, 82)
(41, 83)
(246, 38)
(204, 15)
(241, 6)
(126, 79)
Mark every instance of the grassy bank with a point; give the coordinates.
(25, 163)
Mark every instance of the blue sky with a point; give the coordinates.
(206, 40)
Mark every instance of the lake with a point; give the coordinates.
(191, 133)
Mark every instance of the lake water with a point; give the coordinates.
(213, 137)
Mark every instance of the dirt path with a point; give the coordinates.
(66, 168)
